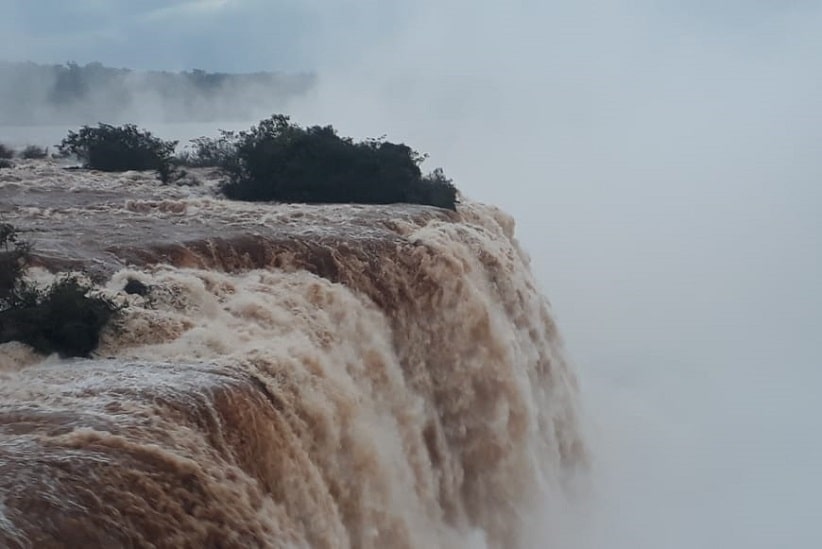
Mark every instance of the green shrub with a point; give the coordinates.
(277, 160)
(62, 318)
(32, 152)
(6, 163)
(118, 148)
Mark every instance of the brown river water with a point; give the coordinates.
(298, 376)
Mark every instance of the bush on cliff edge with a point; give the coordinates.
(277, 160)
(61, 318)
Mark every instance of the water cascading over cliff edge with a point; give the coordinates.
(298, 376)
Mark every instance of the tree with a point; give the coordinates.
(118, 148)
(277, 160)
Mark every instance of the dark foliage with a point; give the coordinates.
(118, 148)
(6, 152)
(208, 152)
(280, 161)
(168, 173)
(34, 152)
(6, 163)
(61, 318)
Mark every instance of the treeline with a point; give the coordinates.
(31, 93)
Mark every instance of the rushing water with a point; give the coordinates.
(298, 376)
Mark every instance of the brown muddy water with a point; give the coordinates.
(298, 376)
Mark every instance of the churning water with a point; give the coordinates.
(297, 376)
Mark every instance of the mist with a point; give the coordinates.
(53, 95)
(662, 162)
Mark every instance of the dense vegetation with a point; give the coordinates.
(119, 148)
(61, 318)
(277, 160)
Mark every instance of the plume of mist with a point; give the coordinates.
(661, 161)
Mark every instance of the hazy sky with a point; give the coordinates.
(216, 35)
(249, 35)
(663, 161)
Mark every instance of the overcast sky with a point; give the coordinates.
(249, 35)
(663, 161)
(215, 35)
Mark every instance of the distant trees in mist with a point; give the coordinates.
(58, 94)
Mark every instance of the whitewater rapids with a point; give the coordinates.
(297, 376)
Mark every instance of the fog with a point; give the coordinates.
(662, 162)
